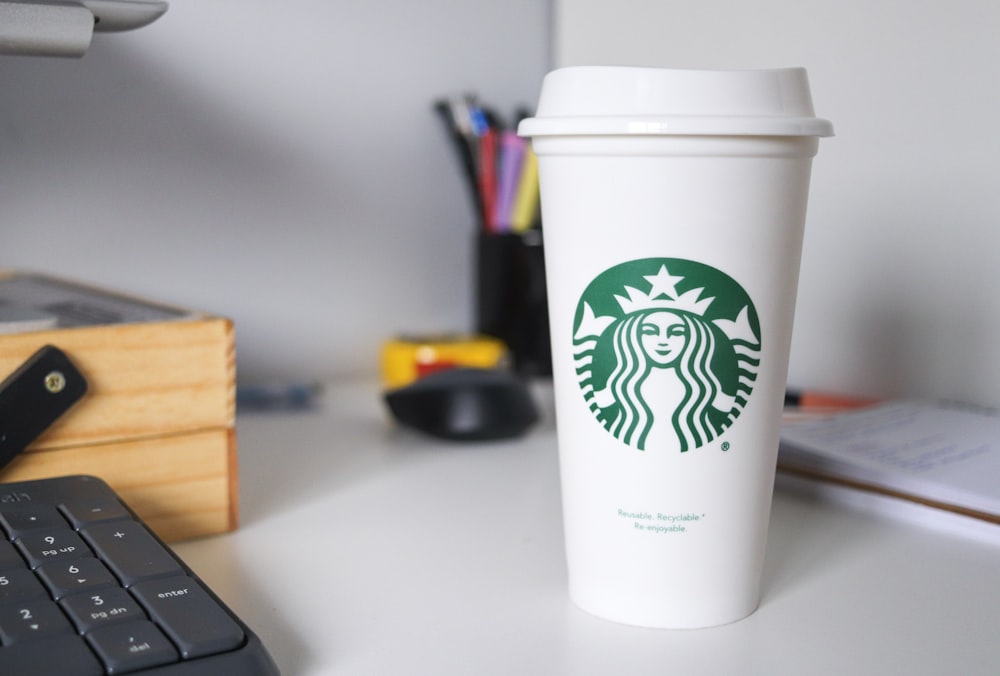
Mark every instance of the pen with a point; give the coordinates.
(480, 123)
(487, 178)
(511, 163)
(296, 397)
(462, 137)
(498, 165)
(526, 203)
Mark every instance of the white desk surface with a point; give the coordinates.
(367, 549)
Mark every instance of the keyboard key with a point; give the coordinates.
(9, 558)
(130, 551)
(20, 584)
(104, 607)
(60, 656)
(32, 619)
(84, 511)
(79, 575)
(20, 519)
(60, 544)
(195, 622)
(131, 646)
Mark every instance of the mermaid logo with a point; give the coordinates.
(666, 352)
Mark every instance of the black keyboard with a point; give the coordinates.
(86, 589)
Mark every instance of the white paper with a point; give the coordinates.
(931, 451)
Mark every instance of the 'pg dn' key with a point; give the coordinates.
(58, 544)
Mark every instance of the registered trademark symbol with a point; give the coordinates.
(725, 446)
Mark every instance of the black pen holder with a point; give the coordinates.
(511, 303)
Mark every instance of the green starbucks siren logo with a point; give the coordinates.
(666, 352)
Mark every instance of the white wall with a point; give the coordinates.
(900, 286)
(275, 162)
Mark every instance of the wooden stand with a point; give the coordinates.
(158, 421)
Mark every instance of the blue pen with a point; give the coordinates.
(479, 122)
(277, 397)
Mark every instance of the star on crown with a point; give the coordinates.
(663, 295)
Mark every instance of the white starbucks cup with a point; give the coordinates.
(673, 204)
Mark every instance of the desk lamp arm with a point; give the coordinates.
(65, 27)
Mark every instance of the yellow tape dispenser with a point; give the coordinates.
(408, 358)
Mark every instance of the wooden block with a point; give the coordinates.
(182, 485)
(145, 379)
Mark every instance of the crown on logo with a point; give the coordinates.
(663, 295)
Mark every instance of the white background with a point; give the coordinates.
(279, 163)
(900, 286)
(275, 162)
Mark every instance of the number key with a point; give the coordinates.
(68, 577)
(131, 646)
(58, 544)
(103, 607)
(36, 618)
(20, 584)
(9, 558)
(63, 654)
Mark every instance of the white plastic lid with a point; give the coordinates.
(617, 100)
